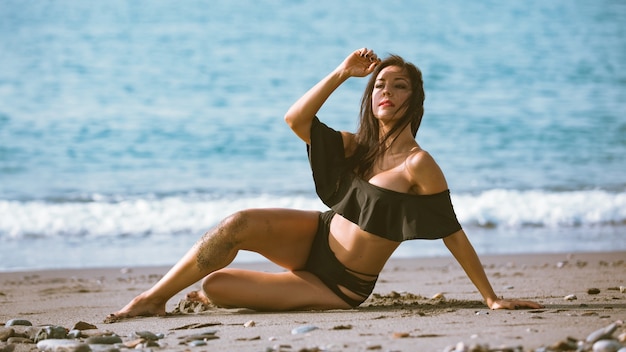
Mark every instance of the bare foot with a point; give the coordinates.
(140, 306)
(198, 296)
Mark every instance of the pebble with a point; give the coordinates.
(81, 325)
(5, 333)
(62, 345)
(603, 333)
(601, 340)
(249, 324)
(104, 348)
(593, 291)
(303, 329)
(15, 322)
(148, 335)
(104, 340)
(18, 339)
(622, 289)
(207, 335)
(571, 297)
(196, 343)
(606, 346)
(48, 332)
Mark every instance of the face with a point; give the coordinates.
(392, 88)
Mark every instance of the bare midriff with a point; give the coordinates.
(359, 250)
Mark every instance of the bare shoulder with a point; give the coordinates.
(425, 173)
(420, 160)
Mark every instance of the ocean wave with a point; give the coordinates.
(137, 216)
(537, 208)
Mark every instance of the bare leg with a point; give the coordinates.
(283, 236)
(289, 290)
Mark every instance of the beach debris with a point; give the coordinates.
(400, 335)
(342, 327)
(283, 347)
(571, 297)
(622, 289)
(438, 296)
(186, 306)
(249, 324)
(16, 322)
(205, 336)
(593, 291)
(303, 329)
(569, 344)
(196, 326)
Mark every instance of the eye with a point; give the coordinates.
(379, 85)
(401, 86)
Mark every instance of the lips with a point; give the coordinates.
(386, 103)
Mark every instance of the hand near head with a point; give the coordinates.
(359, 63)
(513, 304)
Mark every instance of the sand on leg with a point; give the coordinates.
(284, 236)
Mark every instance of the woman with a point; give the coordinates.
(383, 189)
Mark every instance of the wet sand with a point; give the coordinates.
(401, 315)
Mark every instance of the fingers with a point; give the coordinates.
(368, 54)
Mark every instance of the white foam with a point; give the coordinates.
(105, 217)
(131, 217)
(536, 208)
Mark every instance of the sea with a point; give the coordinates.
(128, 128)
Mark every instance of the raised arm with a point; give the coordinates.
(359, 63)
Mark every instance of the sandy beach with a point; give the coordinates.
(401, 315)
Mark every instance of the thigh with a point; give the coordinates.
(291, 290)
(284, 236)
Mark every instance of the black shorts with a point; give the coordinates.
(323, 264)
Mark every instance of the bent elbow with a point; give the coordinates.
(289, 119)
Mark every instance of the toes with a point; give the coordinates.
(193, 295)
(112, 318)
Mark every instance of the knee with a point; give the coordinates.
(235, 223)
(215, 286)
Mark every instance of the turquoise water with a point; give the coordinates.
(140, 124)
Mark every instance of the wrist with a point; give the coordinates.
(490, 301)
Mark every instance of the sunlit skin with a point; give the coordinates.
(391, 90)
(284, 236)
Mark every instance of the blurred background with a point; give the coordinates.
(129, 128)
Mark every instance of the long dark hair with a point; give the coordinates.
(369, 144)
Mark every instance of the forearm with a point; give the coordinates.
(464, 253)
(301, 113)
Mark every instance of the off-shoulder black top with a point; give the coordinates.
(389, 214)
